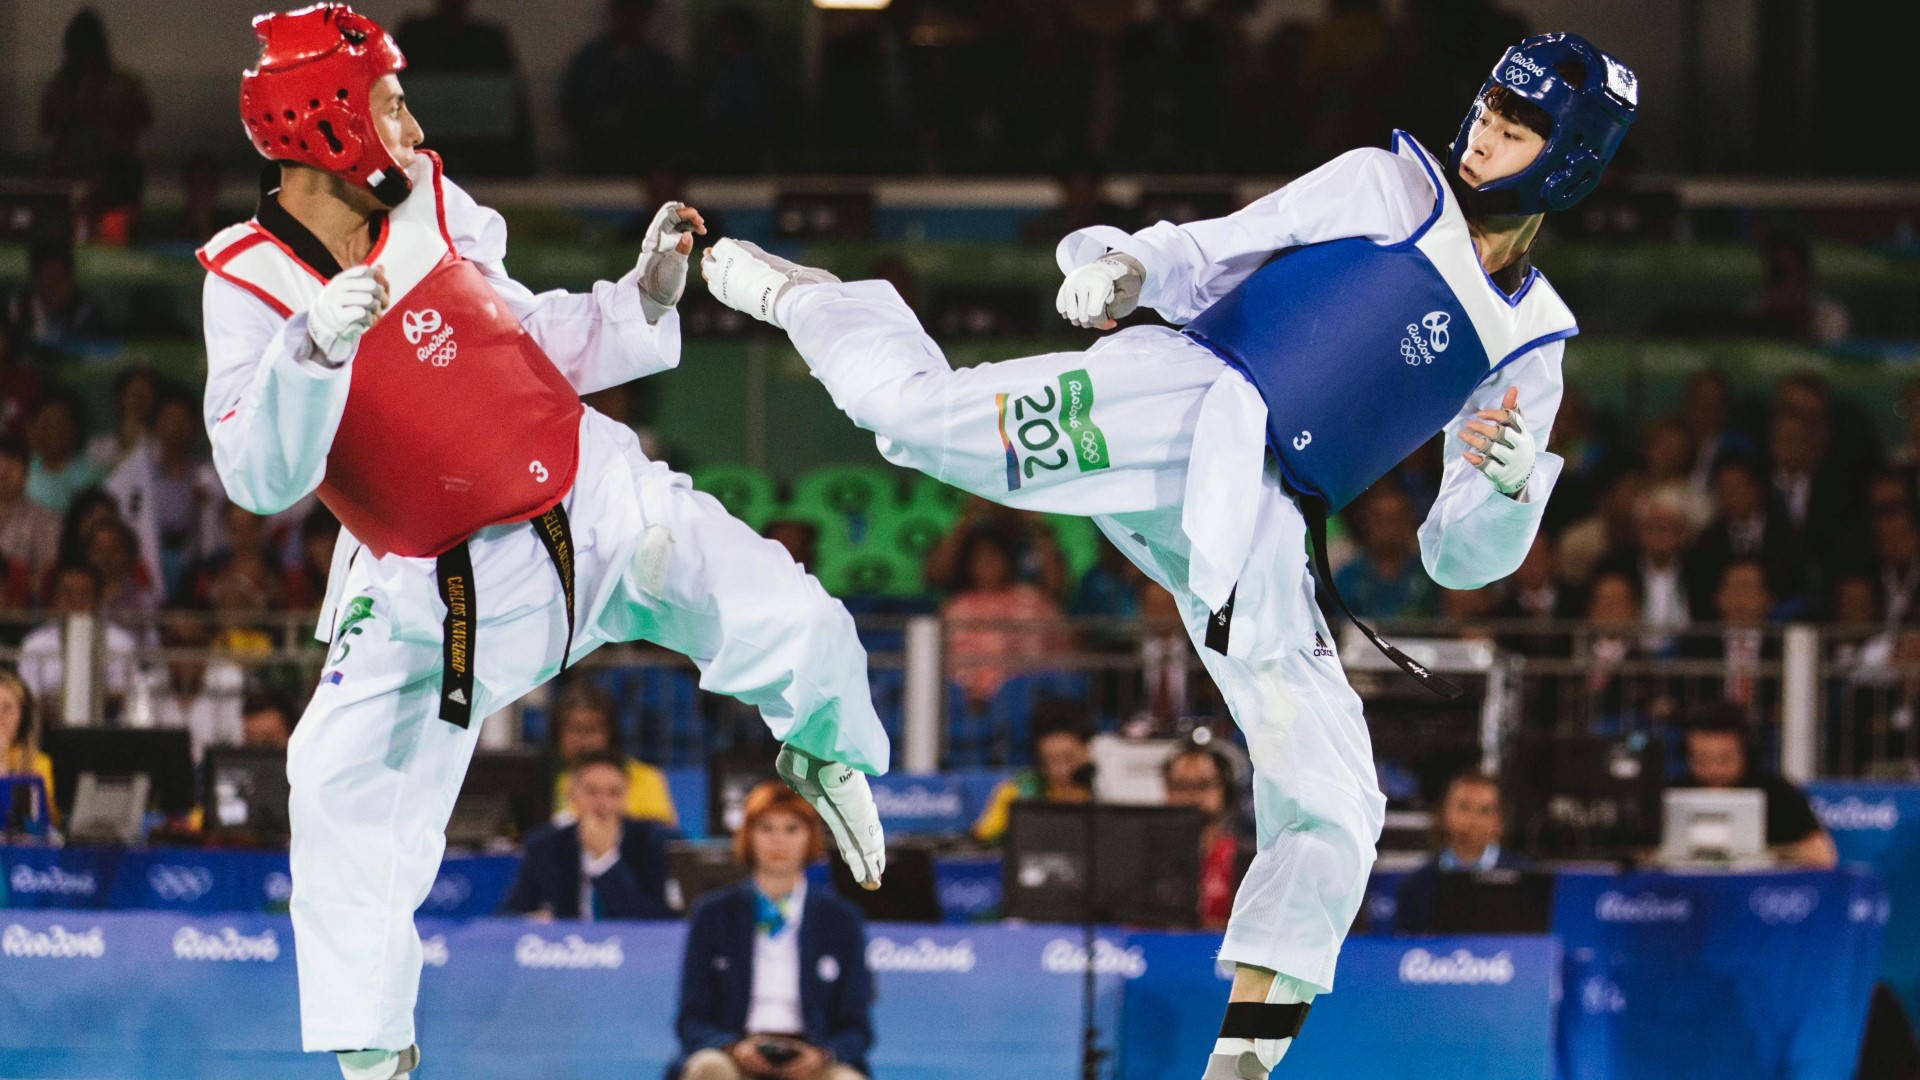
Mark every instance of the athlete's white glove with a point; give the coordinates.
(1507, 458)
(345, 308)
(1106, 289)
(663, 257)
(845, 802)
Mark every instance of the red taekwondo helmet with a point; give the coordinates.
(308, 100)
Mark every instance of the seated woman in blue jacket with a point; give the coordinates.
(775, 980)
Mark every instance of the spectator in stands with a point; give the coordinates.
(29, 532)
(136, 394)
(114, 553)
(92, 111)
(1166, 657)
(614, 93)
(1706, 410)
(170, 495)
(75, 590)
(448, 41)
(1741, 605)
(306, 583)
(1896, 551)
(1466, 837)
(19, 382)
(738, 100)
(1667, 447)
(1062, 770)
(996, 624)
(59, 470)
(1815, 481)
(1746, 525)
(50, 309)
(775, 981)
(201, 214)
(240, 574)
(1718, 757)
(1387, 581)
(1535, 594)
(1199, 776)
(1791, 307)
(1037, 556)
(1613, 607)
(602, 865)
(1604, 532)
(20, 753)
(1655, 563)
(583, 726)
(89, 510)
(265, 721)
(191, 688)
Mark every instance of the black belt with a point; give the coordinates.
(1314, 509)
(454, 570)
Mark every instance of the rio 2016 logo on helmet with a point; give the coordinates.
(1590, 117)
(309, 99)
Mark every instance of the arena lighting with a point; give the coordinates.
(851, 5)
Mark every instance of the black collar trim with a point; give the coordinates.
(287, 229)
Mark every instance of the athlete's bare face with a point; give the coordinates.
(1497, 148)
(399, 131)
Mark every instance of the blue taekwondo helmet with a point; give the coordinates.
(1590, 119)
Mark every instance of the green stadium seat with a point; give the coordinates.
(745, 491)
(871, 570)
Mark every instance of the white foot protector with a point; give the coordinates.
(378, 1064)
(746, 278)
(845, 802)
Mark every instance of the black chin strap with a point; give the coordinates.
(1314, 509)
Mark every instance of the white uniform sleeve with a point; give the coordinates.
(597, 339)
(1370, 193)
(1474, 535)
(271, 413)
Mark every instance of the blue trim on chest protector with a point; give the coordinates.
(1361, 352)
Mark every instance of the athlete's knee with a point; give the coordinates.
(709, 1065)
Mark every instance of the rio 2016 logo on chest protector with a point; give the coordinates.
(1050, 428)
(1426, 339)
(429, 331)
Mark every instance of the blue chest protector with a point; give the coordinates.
(1363, 351)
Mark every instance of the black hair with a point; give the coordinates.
(83, 504)
(260, 701)
(1059, 716)
(1719, 718)
(1223, 767)
(1741, 461)
(613, 759)
(989, 536)
(15, 447)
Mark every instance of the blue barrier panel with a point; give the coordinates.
(1879, 824)
(163, 996)
(210, 881)
(1765, 974)
(1435, 1008)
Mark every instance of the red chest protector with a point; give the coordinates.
(455, 418)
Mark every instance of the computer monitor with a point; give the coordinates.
(730, 777)
(908, 892)
(1142, 863)
(1586, 796)
(244, 792)
(698, 867)
(1493, 902)
(507, 794)
(1714, 825)
(163, 755)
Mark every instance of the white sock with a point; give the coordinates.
(370, 1064)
